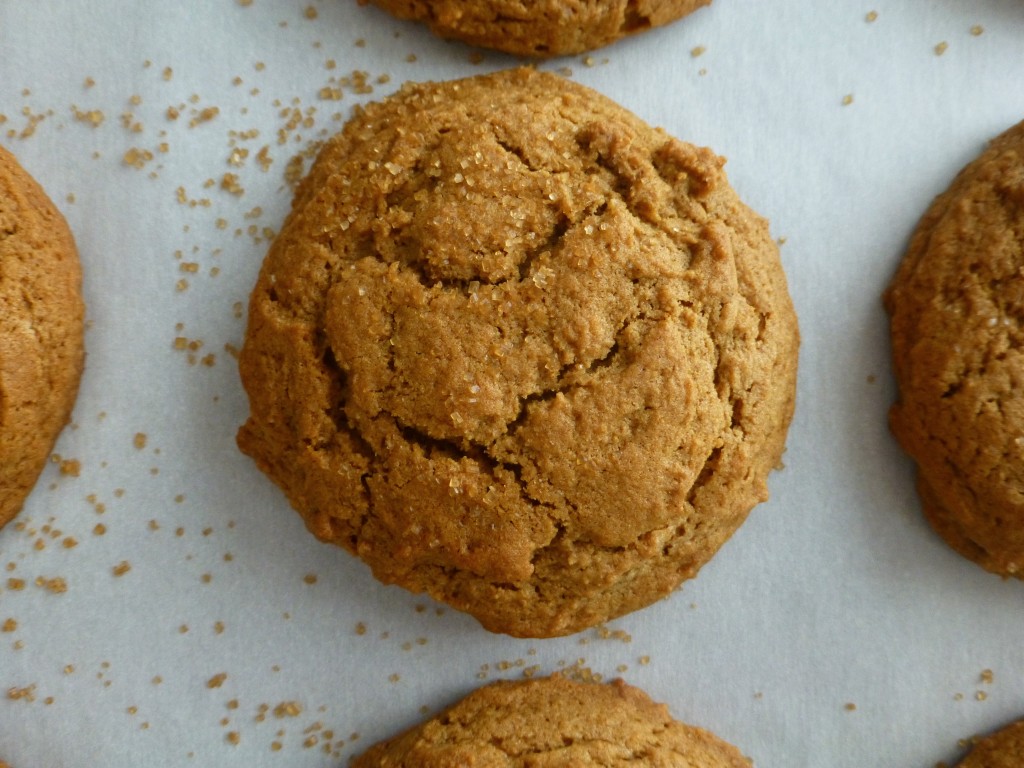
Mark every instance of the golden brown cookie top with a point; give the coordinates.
(41, 316)
(554, 722)
(517, 349)
(540, 28)
(957, 307)
(1002, 749)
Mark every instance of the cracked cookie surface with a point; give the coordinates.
(41, 326)
(518, 350)
(554, 722)
(957, 322)
(540, 28)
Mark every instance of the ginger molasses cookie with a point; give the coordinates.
(518, 350)
(41, 316)
(957, 321)
(554, 721)
(540, 28)
(1002, 749)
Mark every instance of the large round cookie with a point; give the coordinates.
(517, 349)
(1002, 749)
(41, 348)
(957, 307)
(554, 722)
(540, 27)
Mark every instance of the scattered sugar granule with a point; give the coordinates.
(136, 157)
(28, 693)
(229, 183)
(93, 117)
(71, 467)
(57, 585)
(287, 709)
(204, 115)
(217, 680)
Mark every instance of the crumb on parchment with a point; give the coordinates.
(217, 680)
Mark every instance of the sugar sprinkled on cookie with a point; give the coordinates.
(519, 350)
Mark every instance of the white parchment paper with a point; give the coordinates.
(201, 625)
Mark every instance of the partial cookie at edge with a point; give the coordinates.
(957, 326)
(554, 721)
(41, 328)
(545, 27)
(1002, 749)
